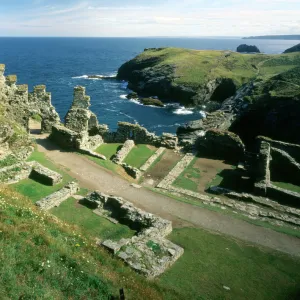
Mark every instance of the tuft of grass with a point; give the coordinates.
(109, 150)
(139, 155)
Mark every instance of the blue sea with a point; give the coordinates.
(62, 63)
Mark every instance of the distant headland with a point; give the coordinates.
(273, 37)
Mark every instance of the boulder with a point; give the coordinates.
(247, 49)
(152, 101)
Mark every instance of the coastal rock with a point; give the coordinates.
(152, 102)
(295, 48)
(247, 49)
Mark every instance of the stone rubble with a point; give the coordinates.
(149, 252)
(152, 159)
(132, 171)
(58, 197)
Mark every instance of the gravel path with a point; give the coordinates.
(92, 176)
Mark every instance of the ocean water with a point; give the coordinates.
(62, 63)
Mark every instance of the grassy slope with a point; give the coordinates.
(139, 155)
(66, 265)
(41, 258)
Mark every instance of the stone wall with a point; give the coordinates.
(152, 159)
(263, 170)
(22, 105)
(123, 152)
(138, 134)
(176, 171)
(44, 175)
(64, 137)
(149, 252)
(58, 197)
(221, 144)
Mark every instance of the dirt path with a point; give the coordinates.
(94, 177)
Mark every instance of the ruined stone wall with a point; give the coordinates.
(139, 134)
(21, 105)
(221, 144)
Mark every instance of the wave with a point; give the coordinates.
(123, 96)
(183, 111)
(96, 76)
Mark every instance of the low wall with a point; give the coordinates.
(58, 197)
(149, 252)
(44, 175)
(123, 152)
(152, 159)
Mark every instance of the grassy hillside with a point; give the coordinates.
(197, 76)
(42, 257)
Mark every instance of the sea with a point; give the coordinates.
(63, 63)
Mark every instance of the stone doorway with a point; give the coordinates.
(35, 124)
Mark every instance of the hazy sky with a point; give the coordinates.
(149, 18)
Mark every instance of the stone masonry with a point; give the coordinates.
(22, 105)
(58, 197)
(152, 159)
(123, 152)
(149, 252)
(44, 175)
(176, 171)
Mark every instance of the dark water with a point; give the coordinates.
(61, 64)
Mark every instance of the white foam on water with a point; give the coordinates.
(183, 111)
(81, 77)
(123, 96)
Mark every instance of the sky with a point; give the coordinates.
(127, 18)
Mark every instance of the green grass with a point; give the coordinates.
(8, 161)
(288, 186)
(74, 213)
(108, 150)
(35, 190)
(189, 177)
(139, 155)
(41, 258)
(211, 261)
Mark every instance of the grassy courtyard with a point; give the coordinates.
(72, 212)
(139, 155)
(109, 150)
(35, 190)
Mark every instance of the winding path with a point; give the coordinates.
(94, 177)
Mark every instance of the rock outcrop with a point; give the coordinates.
(295, 48)
(247, 49)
